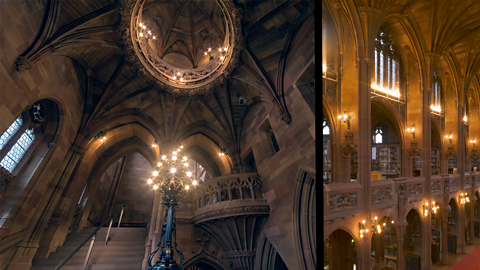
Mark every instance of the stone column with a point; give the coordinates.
(379, 252)
(401, 226)
(461, 165)
(460, 226)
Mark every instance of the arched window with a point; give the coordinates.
(8, 134)
(378, 137)
(386, 68)
(18, 150)
(436, 102)
(326, 129)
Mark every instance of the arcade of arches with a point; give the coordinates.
(89, 103)
(401, 132)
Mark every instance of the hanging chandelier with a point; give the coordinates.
(172, 178)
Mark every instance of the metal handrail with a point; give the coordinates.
(93, 234)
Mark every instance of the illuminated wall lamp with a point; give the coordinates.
(345, 118)
(465, 120)
(463, 198)
(376, 228)
(473, 142)
(412, 130)
(449, 137)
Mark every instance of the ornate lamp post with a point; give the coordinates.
(172, 178)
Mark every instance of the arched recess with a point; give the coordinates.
(267, 257)
(304, 223)
(204, 261)
(387, 140)
(207, 154)
(340, 250)
(452, 226)
(412, 244)
(436, 147)
(47, 127)
(328, 143)
(384, 245)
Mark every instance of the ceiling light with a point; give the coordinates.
(155, 173)
(173, 170)
(150, 181)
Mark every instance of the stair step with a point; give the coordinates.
(125, 250)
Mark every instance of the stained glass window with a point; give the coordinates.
(8, 134)
(389, 73)
(376, 65)
(18, 150)
(381, 69)
(394, 73)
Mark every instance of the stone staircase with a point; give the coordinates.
(125, 251)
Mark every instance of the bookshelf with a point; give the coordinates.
(354, 167)
(385, 160)
(327, 164)
(435, 164)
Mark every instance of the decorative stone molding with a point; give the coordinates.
(415, 189)
(22, 64)
(402, 194)
(454, 183)
(5, 179)
(382, 194)
(234, 254)
(146, 68)
(76, 149)
(243, 210)
(436, 186)
(342, 201)
(370, 12)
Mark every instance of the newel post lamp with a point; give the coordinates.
(173, 179)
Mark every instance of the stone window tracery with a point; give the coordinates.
(436, 94)
(386, 68)
(15, 154)
(8, 134)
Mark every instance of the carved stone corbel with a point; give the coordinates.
(348, 147)
(413, 150)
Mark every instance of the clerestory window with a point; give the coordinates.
(18, 150)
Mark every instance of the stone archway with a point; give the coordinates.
(413, 240)
(340, 251)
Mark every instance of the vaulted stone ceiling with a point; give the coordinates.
(116, 95)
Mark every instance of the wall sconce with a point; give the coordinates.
(375, 228)
(425, 209)
(412, 130)
(223, 152)
(154, 144)
(473, 142)
(434, 207)
(449, 137)
(346, 118)
(465, 120)
(102, 135)
(463, 198)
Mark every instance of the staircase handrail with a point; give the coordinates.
(70, 255)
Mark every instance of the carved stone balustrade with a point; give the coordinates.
(341, 199)
(232, 207)
(383, 193)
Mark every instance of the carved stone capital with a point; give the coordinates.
(22, 64)
(52, 145)
(287, 118)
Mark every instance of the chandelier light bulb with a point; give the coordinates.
(155, 187)
(150, 181)
(159, 164)
(144, 27)
(363, 221)
(205, 53)
(181, 146)
(173, 170)
(174, 158)
(181, 79)
(141, 34)
(155, 173)
(187, 187)
(154, 37)
(164, 157)
(104, 138)
(141, 24)
(149, 32)
(392, 221)
(209, 49)
(174, 153)
(194, 182)
(366, 230)
(186, 164)
(174, 77)
(189, 174)
(225, 49)
(185, 158)
(221, 57)
(219, 49)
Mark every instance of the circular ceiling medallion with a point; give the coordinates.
(185, 47)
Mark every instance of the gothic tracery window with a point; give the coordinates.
(436, 102)
(8, 134)
(18, 150)
(378, 137)
(386, 67)
(326, 129)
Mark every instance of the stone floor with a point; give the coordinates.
(455, 258)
